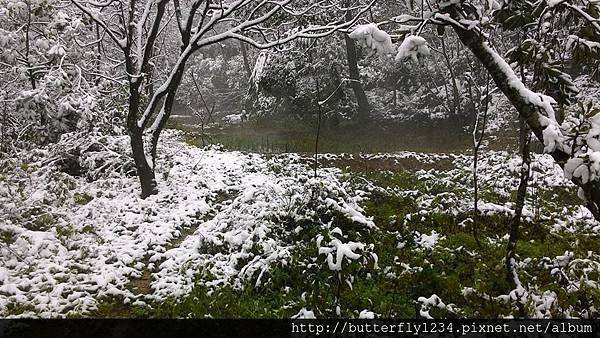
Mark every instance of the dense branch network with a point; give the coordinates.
(470, 21)
(135, 26)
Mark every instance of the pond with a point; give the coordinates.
(299, 136)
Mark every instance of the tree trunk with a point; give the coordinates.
(167, 106)
(27, 48)
(98, 64)
(245, 59)
(352, 57)
(521, 194)
(511, 272)
(526, 110)
(455, 111)
(144, 171)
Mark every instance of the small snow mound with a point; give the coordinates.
(304, 314)
(366, 314)
(341, 250)
(428, 241)
(233, 119)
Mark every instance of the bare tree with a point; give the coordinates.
(205, 115)
(481, 104)
(134, 26)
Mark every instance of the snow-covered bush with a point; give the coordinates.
(269, 232)
(93, 155)
(578, 281)
(432, 302)
(347, 260)
(54, 85)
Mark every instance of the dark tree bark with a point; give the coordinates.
(352, 57)
(521, 195)
(27, 48)
(167, 106)
(511, 272)
(480, 119)
(319, 113)
(144, 171)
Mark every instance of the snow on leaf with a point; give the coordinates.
(366, 314)
(304, 314)
(341, 250)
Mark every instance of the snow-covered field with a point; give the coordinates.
(61, 252)
(227, 218)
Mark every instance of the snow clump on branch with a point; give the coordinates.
(586, 165)
(372, 37)
(413, 47)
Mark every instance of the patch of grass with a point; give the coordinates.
(88, 228)
(297, 135)
(550, 197)
(114, 308)
(64, 231)
(17, 309)
(223, 303)
(7, 237)
(35, 219)
(24, 166)
(82, 198)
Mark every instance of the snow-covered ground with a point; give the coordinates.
(67, 252)
(220, 219)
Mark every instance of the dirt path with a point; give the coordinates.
(142, 285)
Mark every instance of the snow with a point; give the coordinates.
(370, 36)
(432, 301)
(366, 314)
(233, 119)
(554, 3)
(428, 241)
(553, 137)
(219, 220)
(230, 202)
(261, 61)
(341, 251)
(402, 18)
(304, 314)
(413, 47)
(585, 164)
(591, 45)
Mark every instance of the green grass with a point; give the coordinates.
(82, 198)
(293, 135)
(458, 261)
